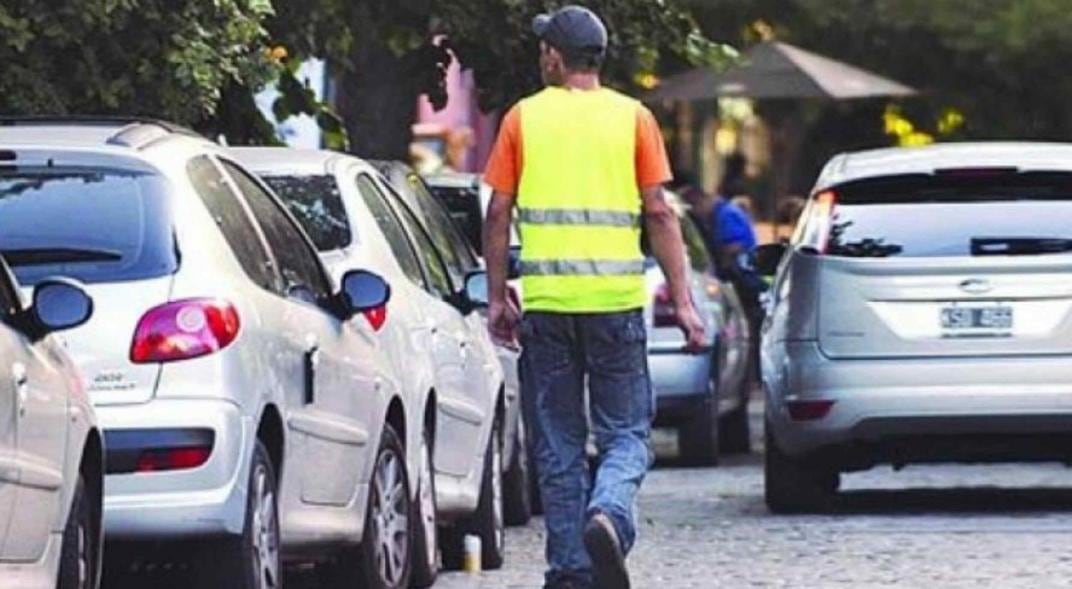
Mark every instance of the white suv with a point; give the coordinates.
(51, 462)
(242, 393)
(439, 339)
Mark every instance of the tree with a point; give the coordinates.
(388, 53)
(166, 58)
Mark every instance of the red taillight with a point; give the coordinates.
(183, 330)
(663, 313)
(809, 410)
(173, 459)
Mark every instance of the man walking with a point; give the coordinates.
(584, 166)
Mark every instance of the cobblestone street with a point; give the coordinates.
(935, 527)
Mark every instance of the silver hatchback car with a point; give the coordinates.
(242, 394)
(923, 313)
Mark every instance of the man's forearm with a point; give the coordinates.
(497, 244)
(664, 234)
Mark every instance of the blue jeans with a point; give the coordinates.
(562, 353)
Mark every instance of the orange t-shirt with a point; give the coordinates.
(503, 172)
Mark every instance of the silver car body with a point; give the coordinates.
(864, 335)
(48, 434)
(446, 358)
(321, 440)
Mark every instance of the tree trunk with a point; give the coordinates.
(377, 98)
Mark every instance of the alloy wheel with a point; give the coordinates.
(390, 510)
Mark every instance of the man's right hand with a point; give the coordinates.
(692, 326)
(503, 321)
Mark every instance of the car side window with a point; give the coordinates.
(231, 217)
(448, 238)
(303, 276)
(439, 280)
(392, 229)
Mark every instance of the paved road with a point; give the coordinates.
(933, 527)
(1006, 527)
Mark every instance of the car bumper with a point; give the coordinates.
(207, 500)
(681, 383)
(909, 410)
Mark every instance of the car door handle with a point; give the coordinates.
(21, 379)
(309, 364)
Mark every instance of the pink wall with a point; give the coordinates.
(461, 112)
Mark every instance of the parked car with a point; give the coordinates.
(242, 403)
(51, 457)
(922, 313)
(705, 397)
(438, 340)
(462, 258)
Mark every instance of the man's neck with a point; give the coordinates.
(581, 81)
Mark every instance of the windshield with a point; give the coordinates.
(94, 224)
(317, 204)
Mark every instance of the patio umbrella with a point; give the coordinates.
(774, 70)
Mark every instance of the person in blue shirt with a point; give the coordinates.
(730, 230)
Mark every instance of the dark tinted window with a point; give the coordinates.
(392, 229)
(302, 274)
(95, 224)
(444, 230)
(9, 298)
(925, 216)
(317, 204)
(465, 209)
(236, 226)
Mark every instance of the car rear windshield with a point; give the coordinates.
(94, 224)
(317, 204)
(975, 213)
(463, 203)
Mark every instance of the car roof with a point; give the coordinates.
(1051, 157)
(113, 135)
(288, 160)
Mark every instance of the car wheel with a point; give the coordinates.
(383, 560)
(796, 486)
(251, 561)
(517, 497)
(698, 438)
(735, 432)
(488, 521)
(80, 554)
(425, 531)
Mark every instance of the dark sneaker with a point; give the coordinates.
(605, 550)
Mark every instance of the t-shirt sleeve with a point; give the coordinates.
(652, 162)
(503, 172)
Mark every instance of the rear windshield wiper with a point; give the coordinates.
(58, 255)
(1019, 246)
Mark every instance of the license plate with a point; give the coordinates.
(991, 318)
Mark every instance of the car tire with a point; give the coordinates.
(796, 486)
(80, 562)
(517, 488)
(388, 526)
(735, 433)
(698, 438)
(425, 531)
(487, 522)
(252, 560)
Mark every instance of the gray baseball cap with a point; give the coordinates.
(572, 27)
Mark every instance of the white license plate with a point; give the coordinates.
(975, 318)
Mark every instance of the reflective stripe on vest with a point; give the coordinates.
(578, 203)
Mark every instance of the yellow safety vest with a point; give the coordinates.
(579, 209)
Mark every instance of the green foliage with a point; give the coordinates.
(167, 58)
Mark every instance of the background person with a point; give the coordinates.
(583, 164)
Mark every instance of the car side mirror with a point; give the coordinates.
(513, 264)
(476, 289)
(60, 304)
(769, 257)
(364, 291)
